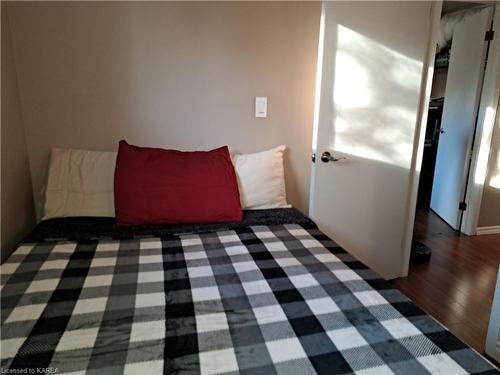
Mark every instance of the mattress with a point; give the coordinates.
(271, 295)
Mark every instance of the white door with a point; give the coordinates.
(463, 89)
(366, 111)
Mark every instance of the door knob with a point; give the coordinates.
(326, 157)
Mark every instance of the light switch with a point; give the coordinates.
(260, 106)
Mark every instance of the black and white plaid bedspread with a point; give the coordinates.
(255, 300)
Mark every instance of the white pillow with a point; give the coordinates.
(261, 179)
(80, 183)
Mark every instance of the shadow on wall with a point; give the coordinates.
(495, 175)
(487, 173)
(492, 177)
(17, 207)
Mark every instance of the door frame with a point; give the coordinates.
(487, 111)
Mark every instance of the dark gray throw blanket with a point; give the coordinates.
(99, 228)
(253, 299)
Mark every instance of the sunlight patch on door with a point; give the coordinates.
(374, 90)
(484, 149)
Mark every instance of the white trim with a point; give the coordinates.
(421, 123)
(495, 229)
(485, 124)
(317, 102)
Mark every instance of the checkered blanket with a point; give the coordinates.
(256, 300)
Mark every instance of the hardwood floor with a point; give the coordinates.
(457, 285)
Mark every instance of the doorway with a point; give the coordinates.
(453, 116)
(367, 133)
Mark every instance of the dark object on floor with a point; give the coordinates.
(420, 252)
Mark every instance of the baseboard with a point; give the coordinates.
(488, 230)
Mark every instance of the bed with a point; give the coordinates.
(269, 295)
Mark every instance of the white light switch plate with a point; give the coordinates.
(260, 106)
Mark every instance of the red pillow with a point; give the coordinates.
(157, 186)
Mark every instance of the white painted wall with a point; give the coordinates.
(489, 215)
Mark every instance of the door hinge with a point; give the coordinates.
(462, 206)
(489, 35)
(313, 158)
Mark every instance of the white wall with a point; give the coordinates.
(167, 74)
(489, 215)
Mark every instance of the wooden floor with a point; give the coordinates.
(457, 285)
